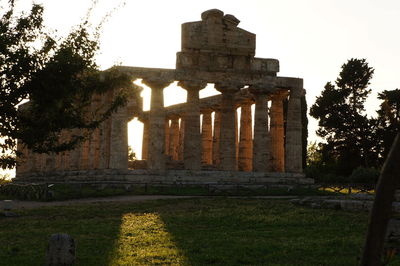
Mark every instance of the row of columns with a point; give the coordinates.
(265, 152)
(267, 149)
(106, 148)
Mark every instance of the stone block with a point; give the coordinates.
(265, 65)
(217, 33)
(60, 250)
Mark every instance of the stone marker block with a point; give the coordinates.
(60, 250)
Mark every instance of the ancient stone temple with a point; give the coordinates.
(202, 140)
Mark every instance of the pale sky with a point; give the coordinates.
(310, 38)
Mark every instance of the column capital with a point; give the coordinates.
(206, 111)
(279, 95)
(144, 117)
(192, 85)
(174, 116)
(244, 97)
(228, 87)
(246, 102)
(156, 83)
(263, 88)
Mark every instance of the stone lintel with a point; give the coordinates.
(265, 65)
(210, 103)
(289, 83)
(246, 78)
(297, 92)
(147, 73)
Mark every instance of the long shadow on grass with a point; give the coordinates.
(23, 239)
(262, 232)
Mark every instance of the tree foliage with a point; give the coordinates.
(58, 77)
(387, 123)
(341, 119)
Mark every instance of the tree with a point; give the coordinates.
(58, 77)
(388, 121)
(341, 119)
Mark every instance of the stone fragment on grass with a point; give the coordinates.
(60, 250)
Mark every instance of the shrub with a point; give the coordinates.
(324, 174)
(365, 175)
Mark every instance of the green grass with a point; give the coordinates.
(200, 231)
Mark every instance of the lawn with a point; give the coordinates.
(199, 231)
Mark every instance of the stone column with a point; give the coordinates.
(105, 135)
(261, 141)
(65, 134)
(145, 139)
(119, 139)
(58, 162)
(192, 141)
(181, 139)
(156, 153)
(50, 163)
(236, 137)
(293, 158)
(246, 138)
(75, 154)
(94, 149)
(277, 132)
(167, 133)
(85, 155)
(174, 138)
(65, 161)
(206, 137)
(227, 144)
(22, 159)
(94, 141)
(217, 132)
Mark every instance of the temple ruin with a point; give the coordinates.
(177, 146)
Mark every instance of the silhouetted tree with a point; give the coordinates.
(388, 121)
(341, 119)
(57, 77)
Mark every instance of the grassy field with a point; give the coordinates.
(199, 231)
